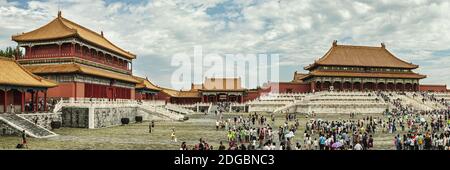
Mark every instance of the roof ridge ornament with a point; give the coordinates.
(383, 45)
(59, 14)
(334, 43)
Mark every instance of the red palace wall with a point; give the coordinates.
(185, 100)
(252, 95)
(162, 96)
(139, 96)
(433, 88)
(289, 87)
(64, 90)
(104, 91)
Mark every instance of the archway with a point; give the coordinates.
(347, 86)
(399, 87)
(357, 86)
(326, 85)
(369, 86)
(381, 86)
(409, 87)
(390, 87)
(318, 86)
(337, 86)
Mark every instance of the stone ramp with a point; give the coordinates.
(30, 128)
(162, 112)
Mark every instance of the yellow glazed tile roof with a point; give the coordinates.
(347, 55)
(64, 28)
(12, 73)
(181, 94)
(145, 83)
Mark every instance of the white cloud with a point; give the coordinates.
(300, 31)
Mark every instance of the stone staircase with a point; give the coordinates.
(30, 128)
(335, 102)
(427, 101)
(409, 101)
(161, 112)
(178, 109)
(212, 109)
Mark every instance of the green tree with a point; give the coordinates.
(11, 52)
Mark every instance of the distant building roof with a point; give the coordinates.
(180, 93)
(144, 83)
(64, 28)
(13, 74)
(298, 77)
(347, 55)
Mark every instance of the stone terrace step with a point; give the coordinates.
(30, 128)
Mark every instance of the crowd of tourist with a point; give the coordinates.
(413, 130)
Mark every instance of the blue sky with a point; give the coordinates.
(300, 31)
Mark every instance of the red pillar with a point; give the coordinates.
(31, 52)
(361, 86)
(242, 99)
(351, 86)
(313, 86)
(72, 50)
(22, 106)
(59, 49)
(45, 101)
(75, 88)
(403, 87)
(32, 101)
(341, 86)
(321, 86)
(35, 108)
(4, 100)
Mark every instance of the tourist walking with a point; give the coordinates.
(150, 128)
(24, 139)
(173, 136)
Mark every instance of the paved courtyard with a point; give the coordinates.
(136, 136)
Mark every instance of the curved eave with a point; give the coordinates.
(14, 38)
(129, 55)
(367, 75)
(309, 67)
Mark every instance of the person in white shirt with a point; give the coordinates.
(316, 144)
(217, 125)
(358, 146)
